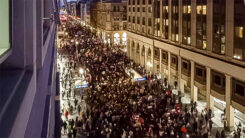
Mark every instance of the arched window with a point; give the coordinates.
(143, 51)
(116, 39)
(124, 38)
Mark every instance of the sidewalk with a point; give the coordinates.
(218, 123)
(64, 103)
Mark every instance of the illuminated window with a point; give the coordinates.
(4, 26)
(239, 32)
(239, 25)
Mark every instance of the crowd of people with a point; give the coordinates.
(118, 106)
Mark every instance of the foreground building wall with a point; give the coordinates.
(197, 43)
(28, 71)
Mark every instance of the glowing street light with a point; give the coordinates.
(81, 71)
(76, 43)
(149, 64)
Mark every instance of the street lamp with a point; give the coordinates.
(149, 64)
(76, 43)
(81, 71)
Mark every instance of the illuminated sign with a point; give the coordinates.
(140, 79)
(82, 86)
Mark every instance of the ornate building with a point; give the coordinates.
(110, 19)
(198, 43)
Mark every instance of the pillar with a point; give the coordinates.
(160, 62)
(179, 72)
(140, 54)
(193, 93)
(229, 28)
(209, 25)
(229, 109)
(129, 49)
(146, 57)
(209, 97)
(152, 58)
(193, 22)
(169, 68)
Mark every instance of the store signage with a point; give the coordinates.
(82, 86)
(140, 79)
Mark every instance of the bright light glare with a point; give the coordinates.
(81, 71)
(149, 64)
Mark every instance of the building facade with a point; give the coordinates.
(110, 19)
(198, 43)
(28, 68)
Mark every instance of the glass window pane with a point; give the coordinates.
(4, 26)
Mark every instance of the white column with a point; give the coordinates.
(140, 54)
(129, 50)
(193, 93)
(152, 59)
(146, 50)
(169, 67)
(229, 112)
(179, 71)
(160, 61)
(209, 97)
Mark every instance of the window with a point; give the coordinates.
(218, 81)
(201, 24)
(186, 23)
(5, 32)
(138, 20)
(150, 9)
(200, 74)
(165, 19)
(239, 32)
(129, 9)
(174, 61)
(239, 88)
(143, 21)
(239, 28)
(143, 9)
(175, 21)
(149, 21)
(129, 18)
(157, 18)
(156, 53)
(133, 19)
(149, 1)
(143, 51)
(133, 9)
(185, 67)
(219, 26)
(143, 2)
(138, 9)
(164, 57)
